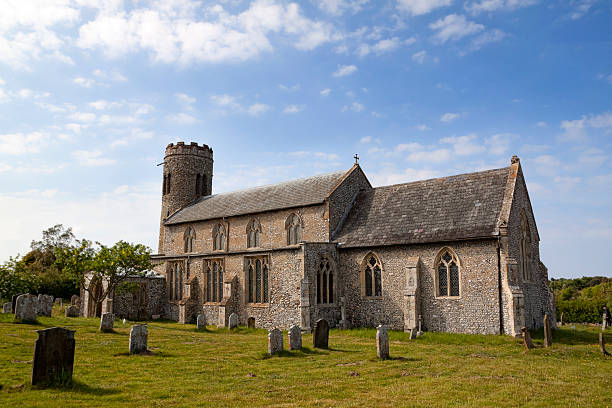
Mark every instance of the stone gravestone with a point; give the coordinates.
(233, 321)
(382, 342)
(14, 302)
(561, 323)
(251, 322)
(547, 332)
(138, 338)
(53, 356)
(320, 334)
(59, 302)
(75, 299)
(527, 338)
(7, 308)
(604, 322)
(106, 322)
(26, 307)
(72, 311)
(201, 322)
(602, 345)
(295, 337)
(413, 334)
(275, 341)
(45, 305)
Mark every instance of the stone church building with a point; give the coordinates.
(461, 253)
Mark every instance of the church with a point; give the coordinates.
(454, 254)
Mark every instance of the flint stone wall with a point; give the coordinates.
(148, 300)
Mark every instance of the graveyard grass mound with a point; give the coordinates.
(221, 367)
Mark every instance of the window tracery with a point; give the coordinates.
(294, 226)
(253, 232)
(189, 239)
(447, 274)
(371, 276)
(257, 279)
(219, 237)
(325, 281)
(214, 279)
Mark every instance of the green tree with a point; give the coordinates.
(99, 269)
(14, 279)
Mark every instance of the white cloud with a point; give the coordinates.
(419, 57)
(576, 130)
(391, 176)
(105, 105)
(344, 70)
(422, 127)
(20, 143)
(499, 143)
(293, 109)
(365, 139)
(91, 158)
(185, 100)
(82, 116)
(486, 38)
(110, 76)
(449, 117)
(182, 118)
(541, 124)
(497, 5)
(228, 102)
(594, 157)
(318, 155)
(257, 109)
(464, 145)
(581, 8)
(381, 47)
(355, 107)
(454, 27)
(286, 88)
(419, 7)
(73, 127)
(433, 156)
(84, 82)
(325, 92)
(337, 7)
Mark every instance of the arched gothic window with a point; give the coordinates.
(257, 279)
(176, 277)
(371, 276)
(253, 232)
(447, 273)
(214, 280)
(219, 237)
(294, 226)
(189, 238)
(325, 282)
(525, 264)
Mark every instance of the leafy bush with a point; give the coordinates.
(581, 300)
(580, 311)
(15, 279)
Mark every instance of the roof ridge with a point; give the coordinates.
(439, 178)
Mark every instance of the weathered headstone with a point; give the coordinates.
(201, 321)
(75, 299)
(295, 337)
(320, 334)
(107, 320)
(72, 311)
(604, 322)
(14, 302)
(420, 332)
(602, 345)
(251, 322)
(53, 356)
(413, 334)
(561, 322)
(527, 338)
(6, 308)
(233, 321)
(547, 332)
(138, 338)
(26, 307)
(59, 301)
(382, 342)
(45, 305)
(275, 341)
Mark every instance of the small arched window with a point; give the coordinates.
(525, 246)
(371, 276)
(325, 281)
(189, 238)
(219, 237)
(253, 232)
(294, 226)
(214, 280)
(447, 273)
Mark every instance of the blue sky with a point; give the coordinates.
(92, 91)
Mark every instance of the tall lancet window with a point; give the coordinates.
(447, 273)
(219, 237)
(525, 261)
(325, 282)
(253, 232)
(371, 276)
(189, 238)
(214, 280)
(294, 226)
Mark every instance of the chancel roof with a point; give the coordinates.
(289, 194)
(445, 209)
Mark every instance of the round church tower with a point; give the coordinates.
(188, 171)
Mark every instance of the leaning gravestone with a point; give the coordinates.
(106, 322)
(413, 334)
(233, 321)
(275, 341)
(201, 321)
(547, 332)
(26, 307)
(6, 308)
(320, 334)
(45, 305)
(138, 338)
(72, 311)
(602, 345)
(382, 342)
(14, 302)
(75, 299)
(53, 356)
(251, 322)
(295, 337)
(527, 338)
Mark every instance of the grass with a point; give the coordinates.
(218, 367)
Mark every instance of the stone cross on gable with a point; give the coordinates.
(356, 158)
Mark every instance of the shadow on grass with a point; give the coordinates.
(301, 353)
(147, 353)
(31, 323)
(568, 336)
(79, 387)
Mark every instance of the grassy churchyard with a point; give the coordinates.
(223, 368)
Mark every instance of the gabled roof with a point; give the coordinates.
(289, 194)
(445, 209)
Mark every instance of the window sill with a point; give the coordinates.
(258, 305)
(449, 297)
(211, 304)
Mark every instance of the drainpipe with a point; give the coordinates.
(499, 287)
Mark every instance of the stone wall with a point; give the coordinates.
(146, 300)
(343, 197)
(313, 252)
(476, 310)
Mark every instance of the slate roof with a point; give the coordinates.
(444, 209)
(294, 193)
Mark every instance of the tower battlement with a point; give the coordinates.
(192, 148)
